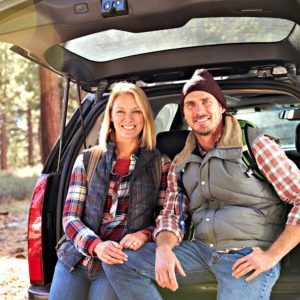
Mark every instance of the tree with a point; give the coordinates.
(19, 110)
(50, 110)
(3, 141)
(4, 95)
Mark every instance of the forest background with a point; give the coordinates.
(30, 108)
(30, 112)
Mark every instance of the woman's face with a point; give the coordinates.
(127, 118)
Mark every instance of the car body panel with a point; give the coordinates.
(40, 28)
(254, 76)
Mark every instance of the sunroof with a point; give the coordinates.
(113, 44)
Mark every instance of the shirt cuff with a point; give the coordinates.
(148, 233)
(92, 246)
(294, 216)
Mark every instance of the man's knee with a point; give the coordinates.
(139, 261)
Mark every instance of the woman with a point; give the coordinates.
(116, 210)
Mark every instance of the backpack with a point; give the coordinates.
(248, 157)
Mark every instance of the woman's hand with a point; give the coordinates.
(110, 252)
(134, 241)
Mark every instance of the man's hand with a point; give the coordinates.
(166, 263)
(110, 252)
(258, 261)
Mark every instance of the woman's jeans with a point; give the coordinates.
(80, 284)
(133, 279)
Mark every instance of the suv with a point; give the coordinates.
(251, 47)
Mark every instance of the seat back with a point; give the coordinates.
(171, 142)
(297, 138)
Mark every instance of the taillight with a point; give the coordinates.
(35, 251)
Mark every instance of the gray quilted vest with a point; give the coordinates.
(228, 208)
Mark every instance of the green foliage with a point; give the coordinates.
(18, 184)
(19, 92)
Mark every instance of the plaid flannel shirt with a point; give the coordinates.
(281, 172)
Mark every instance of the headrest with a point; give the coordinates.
(297, 138)
(171, 142)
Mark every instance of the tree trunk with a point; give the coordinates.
(3, 141)
(30, 137)
(50, 110)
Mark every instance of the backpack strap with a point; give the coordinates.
(186, 225)
(248, 156)
(181, 193)
(90, 161)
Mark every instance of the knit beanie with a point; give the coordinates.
(202, 80)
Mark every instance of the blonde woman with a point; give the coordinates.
(117, 209)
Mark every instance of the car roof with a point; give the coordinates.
(40, 31)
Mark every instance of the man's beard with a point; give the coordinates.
(204, 133)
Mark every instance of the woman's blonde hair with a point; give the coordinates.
(148, 137)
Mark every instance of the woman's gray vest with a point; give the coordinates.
(228, 208)
(143, 195)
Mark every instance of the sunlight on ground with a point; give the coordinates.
(28, 171)
(14, 278)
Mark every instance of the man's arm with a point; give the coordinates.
(166, 261)
(168, 234)
(260, 261)
(285, 178)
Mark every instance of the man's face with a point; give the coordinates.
(202, 112)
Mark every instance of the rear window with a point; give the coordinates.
(113, 44)
(270, 123)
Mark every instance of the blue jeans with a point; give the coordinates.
(80, 284)
(134, 279)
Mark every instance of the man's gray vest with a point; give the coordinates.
(228, 208)
(143, 195)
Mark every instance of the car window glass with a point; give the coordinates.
(103, 46)
(270, 123)
(165, 117)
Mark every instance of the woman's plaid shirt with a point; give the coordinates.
(118, 194)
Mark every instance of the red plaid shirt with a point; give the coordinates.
(114, 218)
(281, 172)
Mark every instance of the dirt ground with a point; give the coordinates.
(14, 278)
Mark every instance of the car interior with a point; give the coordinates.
(171, 139)
(157, 45)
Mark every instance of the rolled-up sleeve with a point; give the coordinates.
(281, 172)
(81, 235)
(168, 219)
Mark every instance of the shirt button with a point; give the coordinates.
(202, 182)
(207, 219)
(211, 245)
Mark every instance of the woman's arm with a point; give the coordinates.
(82, 236)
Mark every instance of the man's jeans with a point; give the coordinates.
(133, 279)
(80, 284)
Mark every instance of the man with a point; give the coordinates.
(239, 238)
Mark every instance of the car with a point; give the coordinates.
(251, 47)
